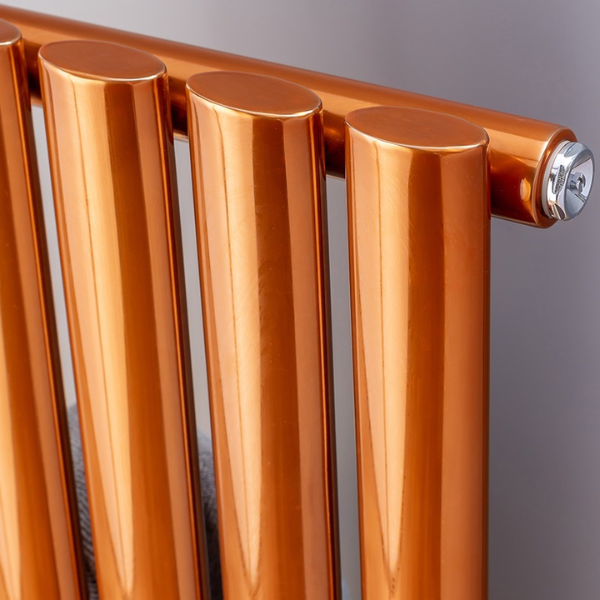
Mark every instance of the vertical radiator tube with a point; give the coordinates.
(419, 222)
(39, 545)
(258, 172)
(111, 157)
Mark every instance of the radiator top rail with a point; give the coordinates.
(539, 172)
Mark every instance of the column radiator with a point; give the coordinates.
(424, 176)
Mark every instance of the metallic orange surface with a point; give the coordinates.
(258, 172)
(519, 147)
(419, 228)
(39, 545)
(111, 157)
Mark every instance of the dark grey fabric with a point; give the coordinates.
(82, 501)
(209, 501)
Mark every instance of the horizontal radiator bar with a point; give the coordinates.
(538, 173)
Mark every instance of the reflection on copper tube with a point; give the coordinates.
(39, 545)
(258, 172)
(516, 143)
(418, 194)
(111, 158)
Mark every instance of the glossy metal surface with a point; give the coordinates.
(111, 154)
(258, 172)
(519, 147)
(569, 179)
(419, 254)
(39, 548)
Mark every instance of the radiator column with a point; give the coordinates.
(111, 157)
(419, 226)
(39, 534)
(259, 173)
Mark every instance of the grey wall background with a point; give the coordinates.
(538, 58)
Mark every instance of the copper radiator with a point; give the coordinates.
(423, 176)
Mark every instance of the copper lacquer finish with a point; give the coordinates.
(258, 171)
(419, 254)
(111, 152)
(39, 552)
(519, 147)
